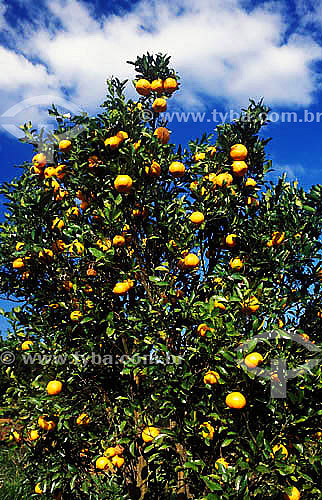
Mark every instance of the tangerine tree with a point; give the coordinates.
(144, 270)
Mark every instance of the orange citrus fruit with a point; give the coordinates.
(113, 142)
(250, 182)
(38, 489)
(221, 461)
(239, 168)
(149, 433)
(253, 359)
(197, 218)
(143, 87)
(236, 400)
(230, 240)
(224, 178)
(280, 447)
(54, 387)
(39, 160)
(162, 134)
(295, 495)
(236, 263)
(123, 183)
(191, 261)
(170, 84)
(65, 145)
(157, 86)
(177, 169)
(211, 377)
(153, 170)
(159, 105)
(238, 152)
(26, 345)
(101, 463)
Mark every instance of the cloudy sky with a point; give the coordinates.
(225, 51)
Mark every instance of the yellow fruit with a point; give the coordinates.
(154, 170)
(208, 430)
(211, 150)
(54, 387)
(17, 437)
(39, 160)
(238, 152)
(137, 145)
(219, 305)
(26, 345)
(197, 218)
(159, 105)
(177, 169)
(46, 254)
(212, 177)
(104, 245)
(191, 261)
(113, 142)
(83, 419)
(45, 424)
(250, 182)
(65, 146)
(280, 447)
(123, 183)
(94, 161)
(277, 238)
(137, 212)
(49, 172)
(19, 246)
(121, 288)
(119, 241)
(157, 86)
(250, 305)
(110, 452)
(231, 240)
(211, 377)
(224, 178)
(170, 84)
(38, 489)
(118, 461)
(149, 433)
(162, 134)
(221, 461)
(76, 315)
(252, 201)
(122, 135)
(143, 87)
(60, 172)
(295, 495)
(18, 263)
(57, 223)
(33, 435)
(101, 463)
(239, 168)
(253, 359)
(203, 328)
(236, 264)
(236, 400)
(73, 212)
(199, 157)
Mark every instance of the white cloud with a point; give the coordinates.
(224, 52)
(292, 171)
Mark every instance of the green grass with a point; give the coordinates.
(12, 482)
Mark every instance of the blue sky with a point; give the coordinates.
(225, 51)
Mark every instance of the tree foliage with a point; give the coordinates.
(139, 359)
